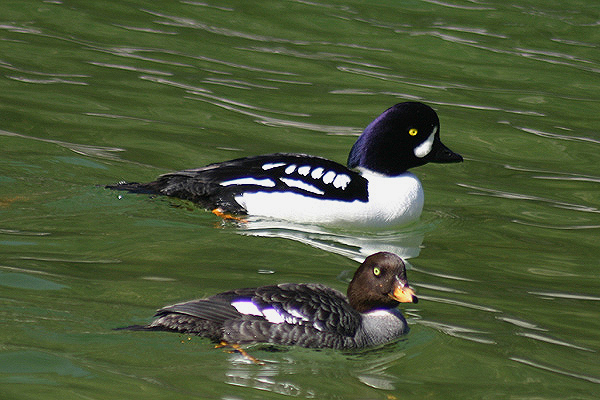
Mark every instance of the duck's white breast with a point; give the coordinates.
(392, 201)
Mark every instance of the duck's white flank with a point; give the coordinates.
(393, 200)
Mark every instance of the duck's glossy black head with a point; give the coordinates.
(404, 136)
(380, 282)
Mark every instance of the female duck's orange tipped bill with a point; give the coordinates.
(404, 294)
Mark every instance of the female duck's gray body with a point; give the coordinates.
(307, 315)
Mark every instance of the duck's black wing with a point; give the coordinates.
(216, 185)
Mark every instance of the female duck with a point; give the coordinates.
(307, 315)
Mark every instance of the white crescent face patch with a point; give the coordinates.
(424, 148)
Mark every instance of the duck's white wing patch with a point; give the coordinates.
(424, 148)
(302, 185)
(329, 177)
(341, 181)
(304, 170)
(317, 173)
(249, 181)
(246, 307)
(273, 316)
(268, 166)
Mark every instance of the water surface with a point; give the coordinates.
(504, 258)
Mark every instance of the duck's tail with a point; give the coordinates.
(143, 328)
(135, 187)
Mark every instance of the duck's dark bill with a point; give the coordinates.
(444, 155)
(404, 295)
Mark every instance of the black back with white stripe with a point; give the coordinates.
(216, 185)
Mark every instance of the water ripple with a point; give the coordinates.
(460, 7)
(518, 196)
(547, 339)
(47, 81)
(134, 53)
(86, 150)
(563, 227)
(459, 303)
(190, 88)
(237, 84)
(533, 56)
(22, 233)
(395, 78)
(437, 288)
(490, 108)
(130, 68)
(458, 331)
(570, 296)
(197, 3)
(314, 56)
(574, 42)
(555, 370)
(551, 57)
(11, 67)
(286, 81)
(562, 175)
(241, 66)
(521, 324)
(20, 29)
(117, 116)
(353, 244)
(440, 275)
(411, 81)
(171, 20)
(145, 30)
(277, 122)
(67, 260)
(557, 136)
(476, 31)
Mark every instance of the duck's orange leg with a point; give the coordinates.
(237, 347)
(220, 213)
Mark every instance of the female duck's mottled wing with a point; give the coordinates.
(201, 317)
(310, 305)
(307, 314)
(208, 309)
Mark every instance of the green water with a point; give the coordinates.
(504, 259)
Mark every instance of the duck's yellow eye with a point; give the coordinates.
(376, 271)
(413, 131)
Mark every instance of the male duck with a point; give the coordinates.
(375, 190)
(307, 315)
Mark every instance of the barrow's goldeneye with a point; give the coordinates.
(307, 315)
(374, 190)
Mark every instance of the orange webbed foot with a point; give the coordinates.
(238, 348)
(226, 216)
